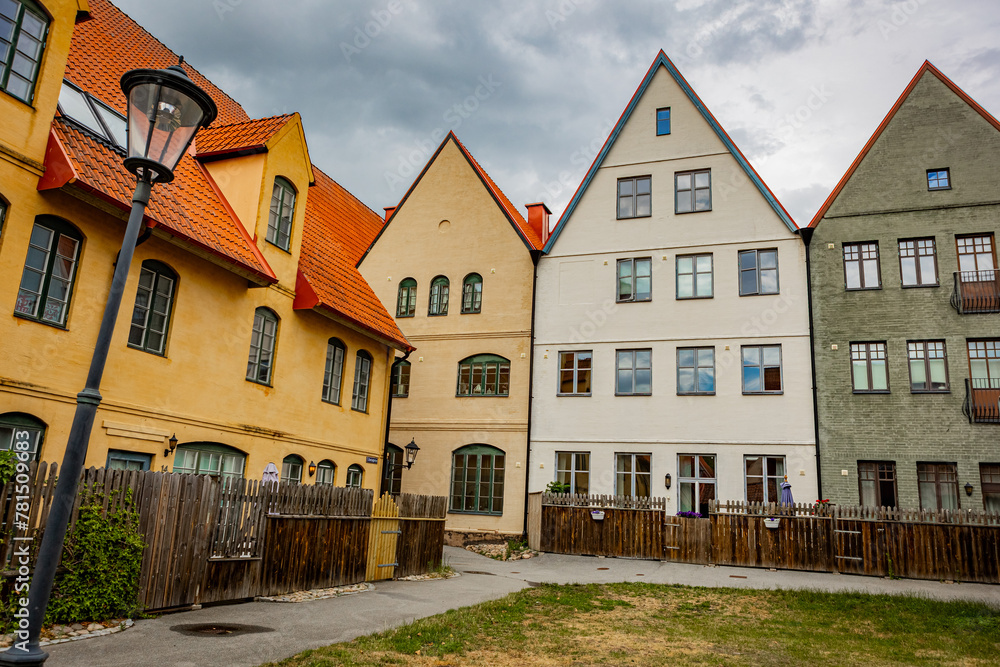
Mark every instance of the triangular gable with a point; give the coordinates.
(926, 67)
(664, 61)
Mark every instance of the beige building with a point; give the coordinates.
(457, 260)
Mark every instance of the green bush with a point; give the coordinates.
(8, 466)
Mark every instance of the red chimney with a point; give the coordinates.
(388, 212)
(538, 219)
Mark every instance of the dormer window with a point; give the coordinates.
(98, 118)
(279, 222)
(22, 39)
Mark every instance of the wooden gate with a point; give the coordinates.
(848, 544)
(382, 539)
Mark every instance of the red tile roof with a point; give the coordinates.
(246, 136)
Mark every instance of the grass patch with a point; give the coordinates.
(646, 624)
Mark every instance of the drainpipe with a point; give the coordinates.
(535, 256)
(388, 420)
(807, 233)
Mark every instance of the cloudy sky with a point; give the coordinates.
(533, 88)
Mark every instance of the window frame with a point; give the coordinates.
(22, 422)
(697, 391)
(696, 481)
(397, 379)
(321, 468)
(484, 362)
(126, 456)
(937, 177)
(481, 452)
(762, 366)
(939, 471)
(58, 229)
(860, 249)
(576, 371)
(159, 271)
(392, 471)
(361, 391)
(291, 469)
(633, 474)
(210, 448)
(284, 187)
(634, 196)
(573, 471)
(438, 297)
(355, 477)
(986, 350)
(976, 255)
(471, 294)
(693, 173)
(764, 476)
(266, 315)
(758, 271)
(989, 485)
(662, 122)
(410, 301)
(916, 256)
(633, 263)
(634, 370)
(7, 67)
(333, 346)
(878, 475)
(694, 276)
(870, 348)
(927, 364)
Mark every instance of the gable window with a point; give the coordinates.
(868, 368)
(573, 468)
(928, 366)
(758, 272)
(574, 373)
(123, 460)
(23, 28)
(477, 480)
(406, 303)
(484, 375)
(279, 221)
(291, 470)
(662, 121)
(262, 338)
(362, 379)
(634, 198)
(861, 267)
(694, 276)
(696, 475)
(333, 373)
(939, 179)
(762, 369)
(937, 486)
(634, 373)
(696, 370)
(989, 482)
(633, 475)
(21, 432)
(763, 478)
(401, 379)
(209, 458)
(49, 270)
(355, 476)
(326, 472)
(635, 281)
(877, 483)
(918, 262)
(153, 302)
(693, 191)
(472, 293)
(439, 296)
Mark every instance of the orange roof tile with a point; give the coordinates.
(246, 136)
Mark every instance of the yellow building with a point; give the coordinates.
(246, 336)
(458, 261)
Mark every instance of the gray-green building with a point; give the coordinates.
(906, 309)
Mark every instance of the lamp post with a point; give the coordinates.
(411, 456)
(165, 110)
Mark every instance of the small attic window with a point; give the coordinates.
(663, 121)
(94, 116)
(938, 179)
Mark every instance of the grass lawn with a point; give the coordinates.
(645, 624)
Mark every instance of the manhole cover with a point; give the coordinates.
(478, 572)
(219, 629)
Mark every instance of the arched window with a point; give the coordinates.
(477, 473)
(49, 270)
(154, 301)
(23, 37)
(279, 221)
(326, 471)
(21, 432)
(333, 375)
(262, 339)
(472, 293)
(484, 375)
(392, 471)
(210, 458)
(355, 475)
(401, 379)
(362, 378)
(406, 304)
(439, 296)
(291, 469)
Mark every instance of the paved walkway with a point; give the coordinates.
(297, 627)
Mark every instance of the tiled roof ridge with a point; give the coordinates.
(252, 121)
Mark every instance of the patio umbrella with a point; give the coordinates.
(271, 474)
(786, 493)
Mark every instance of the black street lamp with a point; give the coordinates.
(165, 110)
(411, 456)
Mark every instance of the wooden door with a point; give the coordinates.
(383, 537)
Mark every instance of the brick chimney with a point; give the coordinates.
(538, 219)
(388, 212)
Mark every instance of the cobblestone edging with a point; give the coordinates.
(317, 593)
(60, 634)
(429, 576)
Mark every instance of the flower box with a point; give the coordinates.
(772, 522)
(597, 515)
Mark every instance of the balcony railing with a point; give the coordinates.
(976, 292)
(982, 401)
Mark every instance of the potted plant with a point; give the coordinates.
(597, 515)
(772, 522)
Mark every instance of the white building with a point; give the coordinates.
(672, 353)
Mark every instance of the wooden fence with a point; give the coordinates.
(951, 545)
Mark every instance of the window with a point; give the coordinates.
(291, 470)
(392, 471)
(573, 468)
(928, 366)
(918, 263)
(694, 191)
(696, 473)
(94, 116)
(362, 378)
(265, 332)
(279, 221)
(439, 296)
(122, 460)
(333, 374)
(989, 481)
(326, 472)
(635, 281)
(696, 370)
(574, 373)
(662, 121)
(633, 475)
(3, 214)
(401, 379)
(634, 198)
(764, 475)
(758, 272)
(938, 179)
(208, 458)
(634, 373)
(153, 302)
(20, 432)
(861, 269)
(484, 375)
(877, 483)
(406, 303)
(984, 363)
(762, 369)
(976, 259)
(694, 277)
(472, 293)
(477, 475)
(868, 368)
(22, 38)
(49, 269)
(937, 485)
(355, 476)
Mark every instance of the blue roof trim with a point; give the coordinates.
(663, 60)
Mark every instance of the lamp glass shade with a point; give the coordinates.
(411, 453)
